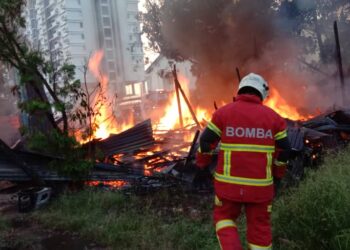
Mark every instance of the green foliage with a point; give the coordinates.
(72, 160)
(32, 106)
(315, 215)
(132, 222)
(4, 224)
(48, 86)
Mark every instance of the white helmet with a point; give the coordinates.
(257, 82)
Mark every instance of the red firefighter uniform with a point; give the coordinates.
(244, 174)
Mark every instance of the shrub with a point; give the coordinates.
(315, 215)
(74, 162)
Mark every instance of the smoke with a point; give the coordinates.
(255, 36)
(306, 4)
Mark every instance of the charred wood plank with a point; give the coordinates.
(15, 158)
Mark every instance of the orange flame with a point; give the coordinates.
(280, 105)
(114, 184)
(105, 120)
(171, 120)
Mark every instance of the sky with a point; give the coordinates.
(147, 53)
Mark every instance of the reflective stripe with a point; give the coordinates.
(281, 135)
(257, 247)
(214, 128)
(226, 176)
(244, 181)
(248, 148)
(268, 165)
(218, 202)
(279, 163)
(224, 223)
(227, 163)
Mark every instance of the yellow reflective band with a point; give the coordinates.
(279, 163)
(224, 223)
(218, 202)
(257, 247)
(281, 135)
(227, 163)
(214, 128)
(244, 181)
(248, 148)
(268, 165)
(217, 236)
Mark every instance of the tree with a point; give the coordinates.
(267, 37)
(52, 94)
(313, 21)
(216, 35)
(48, 88)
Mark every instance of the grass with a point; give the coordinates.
(159, 221)
(4, 225)
(316, 214)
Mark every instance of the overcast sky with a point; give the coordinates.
(151, 55)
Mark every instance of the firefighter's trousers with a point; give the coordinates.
(259, 235)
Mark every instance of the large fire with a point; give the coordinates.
(170, 120)
(280, 105)
(105, 120)
(107, 124)
(165, 127)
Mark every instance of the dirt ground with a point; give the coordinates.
(23, 232)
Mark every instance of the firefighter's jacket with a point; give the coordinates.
(248, 131)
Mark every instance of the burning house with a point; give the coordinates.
(158, 146)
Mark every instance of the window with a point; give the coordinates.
(74, 14)
(128, 89)
(108, 32)
(81, 25)
(111, 65)
(104, 1)
(106, 21)
(138, 89)
(132, 7)
(104, 10)
(82, 36)
(112, 76)
(109, 56)
(108, 44)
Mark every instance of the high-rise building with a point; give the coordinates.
(74, 29)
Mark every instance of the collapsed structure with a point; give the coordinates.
(140, 153)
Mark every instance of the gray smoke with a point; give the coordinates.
(221, 35)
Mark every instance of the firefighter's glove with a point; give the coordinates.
(203, 159)
(279, 169)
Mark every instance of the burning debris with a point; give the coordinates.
(313, 138)
(162, 154)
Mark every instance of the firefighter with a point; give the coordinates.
(250, 134)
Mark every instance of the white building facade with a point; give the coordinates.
(74, 29)
(159, 75)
